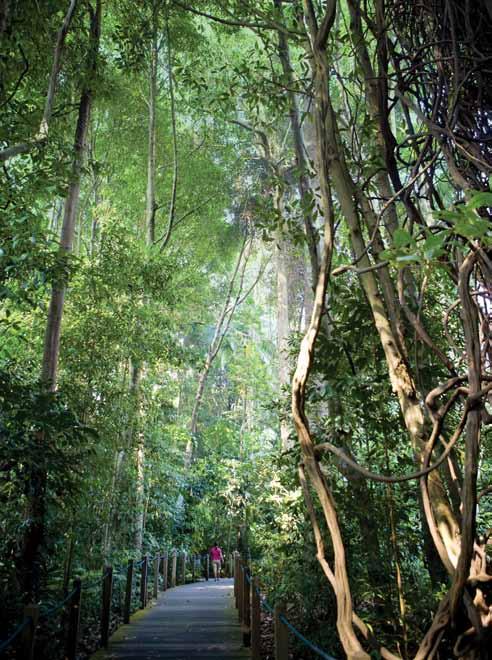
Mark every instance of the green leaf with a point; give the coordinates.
(480, 199)
(471, 227)
(433, 245)
(402, 238)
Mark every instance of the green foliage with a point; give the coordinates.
(431, 245)
(138, 318)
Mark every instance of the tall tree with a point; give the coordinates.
(33, 536)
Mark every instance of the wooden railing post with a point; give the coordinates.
(240, 590)
(128, 592)
(281, 634)
(236, 578)
(246, 608)
(107, 588)
(157, 561)
(165, 569)
(143, 582)
(174, 568)
(183, 565)
(255, 620)
(73, 621)
(231, 565)
(28, 638)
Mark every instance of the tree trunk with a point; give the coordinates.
(140, 494)
(4, 16)
(108, 527)
(283, 328)
(33, 537)
(283, 312)
(53, 329)
(306, 193)
(150, 199)
(150, 211)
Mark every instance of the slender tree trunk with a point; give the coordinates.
(140, 494)
(306, 193)
(69, 561)
(4, 16)
(150, 198)
(150, 211)
(283, 321)
(53, 329)
(94, 220)
(174, 190)
(24, 147)
(34, 529)
(138, 452)
(283, 330)
(128, 450)
(228, 310)
(472, 442)
(56, 215)
(108, 527)
(307, 301)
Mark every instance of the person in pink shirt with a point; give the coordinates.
(216, 558)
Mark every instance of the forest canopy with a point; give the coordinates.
(246, 294)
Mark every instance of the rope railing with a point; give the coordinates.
(10, 640)
(164, 570)
(249, 601)
(307, 642)
(47, 614)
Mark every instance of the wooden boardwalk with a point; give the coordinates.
(193, 621)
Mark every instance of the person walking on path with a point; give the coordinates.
(217, 558)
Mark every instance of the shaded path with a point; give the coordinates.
(194, 621)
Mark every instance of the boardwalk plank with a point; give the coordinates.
(194, 621)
